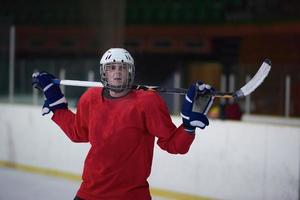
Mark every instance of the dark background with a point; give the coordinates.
(200, 40)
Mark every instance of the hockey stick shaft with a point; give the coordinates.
(77, 83)
(181, 91)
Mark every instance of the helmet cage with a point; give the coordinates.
(126, 84)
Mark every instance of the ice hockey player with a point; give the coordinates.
(121, 125)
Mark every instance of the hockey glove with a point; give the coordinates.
(196, 105)
(54, 98)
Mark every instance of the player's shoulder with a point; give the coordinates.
(148, 96)
(91, 94)
(92, 91)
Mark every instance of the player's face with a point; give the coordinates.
(117, 74)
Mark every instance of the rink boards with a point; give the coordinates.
(228, 160)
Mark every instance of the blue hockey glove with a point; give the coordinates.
(54, 98)
(196, 105)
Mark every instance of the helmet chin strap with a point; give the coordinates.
(116, 90)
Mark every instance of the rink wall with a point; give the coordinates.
(228, 160)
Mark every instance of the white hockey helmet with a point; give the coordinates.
(120, 56)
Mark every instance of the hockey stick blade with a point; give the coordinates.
(258, 78)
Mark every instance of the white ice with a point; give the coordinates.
(20, 185)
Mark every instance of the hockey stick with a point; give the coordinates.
(258, 78)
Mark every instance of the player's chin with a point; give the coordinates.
(117, 83)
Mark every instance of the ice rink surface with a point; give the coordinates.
(20, 185)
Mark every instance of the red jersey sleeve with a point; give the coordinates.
(158, 121)
(74, 125)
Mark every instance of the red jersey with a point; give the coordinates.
(121, 132)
